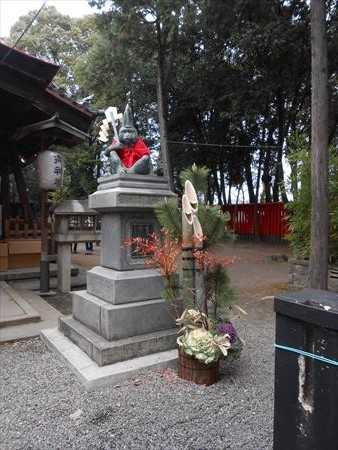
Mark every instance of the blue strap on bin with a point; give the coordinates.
(309, 355)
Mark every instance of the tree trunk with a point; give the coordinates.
(217, 188)
(266, 177)
(224, 199)
(318, 264)
(164, 75)
(279, 187)
(248, 177)
(259, 174)
(162, 118)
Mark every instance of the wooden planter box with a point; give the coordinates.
(3, 256)
(299, 269)
(24, 253)
(189, 368)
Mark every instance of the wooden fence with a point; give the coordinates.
(19, 229)
(265, 221)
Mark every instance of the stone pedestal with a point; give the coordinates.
(122, 314)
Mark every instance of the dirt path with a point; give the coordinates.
(260, 269)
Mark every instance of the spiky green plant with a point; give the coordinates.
(214, 226)
(198, 176)
(168, 217)
(217, 289)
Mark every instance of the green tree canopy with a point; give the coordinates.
(57, 38)
(225, 83)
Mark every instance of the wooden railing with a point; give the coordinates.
(20, 229)
(259, 220)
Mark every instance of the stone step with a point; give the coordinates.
(105, 352)
(32, 273)
(121, 321)
(90, 375)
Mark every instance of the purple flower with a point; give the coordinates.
(227, 328)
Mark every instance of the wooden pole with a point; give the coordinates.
(22, 190)
(318, 264)
(5, 197)
(44, 263)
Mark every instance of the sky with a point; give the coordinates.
(11, 10)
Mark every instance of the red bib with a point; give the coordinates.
(129, 156)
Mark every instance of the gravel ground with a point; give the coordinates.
(44, 407)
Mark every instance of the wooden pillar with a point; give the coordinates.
(22, 189)
(5, 199)
(319, 253)
(44, 263)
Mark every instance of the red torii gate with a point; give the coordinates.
(258, 220)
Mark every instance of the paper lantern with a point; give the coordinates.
(50, 170)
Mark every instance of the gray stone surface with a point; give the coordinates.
(31, 273)
(74, 207)
(120, 321)
(14, 308)
(105, 352)
(132, 319)
(129, 192)
(299, 275)
(119, 287)
(143, 183)
(116, 230)
(48, 318)
(87, 309)
(64, 265)
(90, 375)
(121, 315)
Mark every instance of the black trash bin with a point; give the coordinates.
(306, 371)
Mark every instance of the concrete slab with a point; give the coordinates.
(49, 317)
(31, 272)
(14, 310)
(33, 284)
(90, 375)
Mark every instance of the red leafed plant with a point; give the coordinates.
(162, 252)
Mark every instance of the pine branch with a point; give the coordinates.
(168, 216)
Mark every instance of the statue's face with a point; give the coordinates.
(128, 136)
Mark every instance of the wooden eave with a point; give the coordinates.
(52, 123)
(34, 115)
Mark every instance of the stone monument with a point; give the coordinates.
(122, 316)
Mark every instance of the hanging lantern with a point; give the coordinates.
(50, 170)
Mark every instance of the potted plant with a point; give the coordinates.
(202, 345)
(196, 284)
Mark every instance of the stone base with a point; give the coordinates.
(90, 375)
(299, 269)
(120, 287)
(114, 322)
(105, 352)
